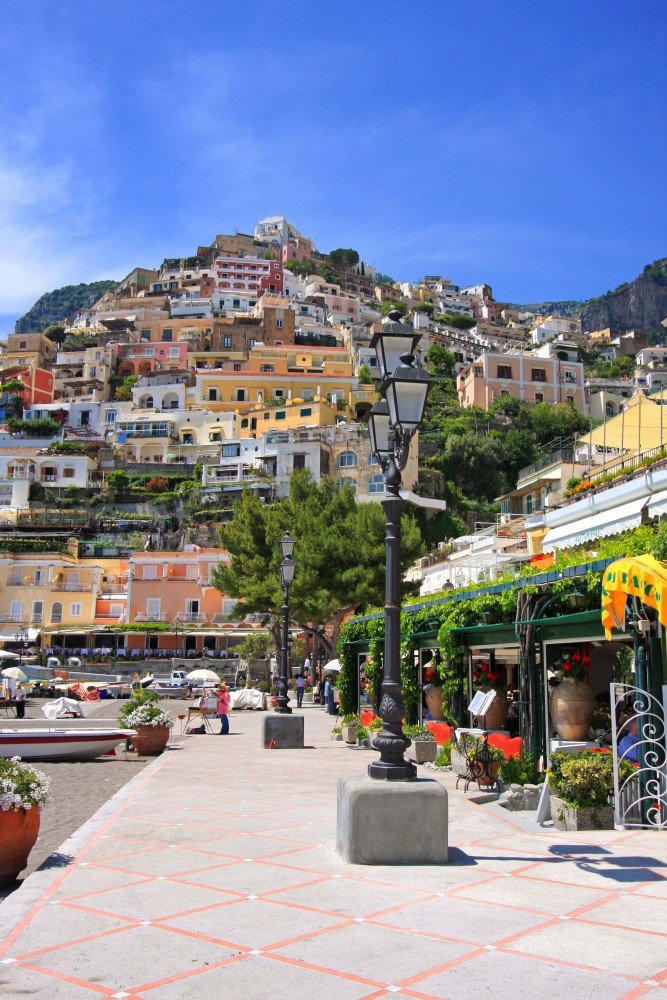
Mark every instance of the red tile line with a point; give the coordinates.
(63, 977)
(132, 923)
(550, 959)
(55, 885)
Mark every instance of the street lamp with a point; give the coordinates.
(392, 423)
(21, 634)
(287, 570)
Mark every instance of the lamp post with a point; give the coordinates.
(392, 423)
(287, 570)
(20, 638)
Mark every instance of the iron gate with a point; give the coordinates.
(640, 798)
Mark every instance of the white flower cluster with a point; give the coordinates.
(147, 715)
(21, 786)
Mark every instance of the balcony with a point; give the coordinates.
(204, 581)
(72, 588)
(144, 616)
(36, 618)
(11, 619)
(190, 618)
(112, 588)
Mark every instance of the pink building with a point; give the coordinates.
(249, 275)
(146, 357)
(524, 376)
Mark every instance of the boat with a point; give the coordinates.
(61, 744)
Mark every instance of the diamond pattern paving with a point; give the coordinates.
(217, 876)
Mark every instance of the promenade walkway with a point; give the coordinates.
(213, 874)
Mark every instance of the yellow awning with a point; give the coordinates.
(643, 577)
(640, 426)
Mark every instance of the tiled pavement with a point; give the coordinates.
(214, 874)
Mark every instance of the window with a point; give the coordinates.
(16, 609)
(212, 396)
(376, 484)
(299, 461)
(252, 341)
(266, 368)
(68, 472)
(231, 450)
(539, 397)
(348, 481)
(280, 415)
(347, 460)
(236, 303)
(75, 609)
(307, 411)
(56, 613)
(504, 371)
(373, 460)
(110, 417)
(538, 375)
(174, 352)
(569, 400)
(192, 606)
(279, 324)
(152, 607)
(237, 366)
(279, 393)
(244, 423)
(307, 395)
(145, 334)
(115, 610)
(227, 342)
(85, 418)
(239, 395)
(37, 612)
(149, 573)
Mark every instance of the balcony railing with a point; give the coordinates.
(204, 581)
(113, 588)
(36, 618)
(11, 619)
(72, 588)
(190, 618)
(144, 616)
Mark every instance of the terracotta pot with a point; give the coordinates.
(18, 833)
(434, 698)
(571, 706)
(150, 740)
(495, 717)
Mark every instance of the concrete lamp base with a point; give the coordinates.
(284, 731)
(392, 823)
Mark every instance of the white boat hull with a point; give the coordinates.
(60, 744)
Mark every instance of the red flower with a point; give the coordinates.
(587, 661)
(566, 666)
(576, 657)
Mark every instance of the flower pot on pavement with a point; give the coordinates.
(18, 833)
(574, 818)
(150, 740)
(422, 751)
(571, 707)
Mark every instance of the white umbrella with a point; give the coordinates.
(6, 654)
(202, 675)
(333, 666)
(16, 673)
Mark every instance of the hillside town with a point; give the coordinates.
(130, 429)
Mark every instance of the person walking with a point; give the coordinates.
(306, 668)
(300, 688)
(222, 708)
(329, 696)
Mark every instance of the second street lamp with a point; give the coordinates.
(392, 424)
(287, 570)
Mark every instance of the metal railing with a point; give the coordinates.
(11, 619)
(72, 588)
(191, 618)
(144, 616)
(562, 455)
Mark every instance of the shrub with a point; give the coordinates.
(21, 786)
(584, 780)
(418, 734)
(158, 484)
(351, 720)
(444, 758)
(518, 770)
(362, 733)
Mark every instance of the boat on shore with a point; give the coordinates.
(61, 744)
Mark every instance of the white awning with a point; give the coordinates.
(607, 522)
(9, 633)
(657, 505)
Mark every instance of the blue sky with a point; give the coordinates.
(522, 144)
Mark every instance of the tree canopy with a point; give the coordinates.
(339, 551)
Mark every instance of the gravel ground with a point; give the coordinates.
(80, 788)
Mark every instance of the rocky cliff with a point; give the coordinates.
(54, 307)
(639, 304)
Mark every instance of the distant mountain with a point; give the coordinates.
(639, 304)
(54, 307)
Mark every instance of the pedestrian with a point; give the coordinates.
(300, 688)
(306, 668)
(222, 707)
(20, 701)
(329, 696)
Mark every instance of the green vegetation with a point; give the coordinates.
(344, 260)
(124, 391)
(53, 307)
(365, 375)
(41, 428)
(585, 780)
(339, 551)
(456, 320)
(519, 770)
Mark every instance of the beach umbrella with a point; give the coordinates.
(6, 654)
(333, 666)
(16, 673)
(202, 675)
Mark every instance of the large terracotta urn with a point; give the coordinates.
(495, 717)
(571, 706)
(150, 740)
(18, 833)
(434, 698)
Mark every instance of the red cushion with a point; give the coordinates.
(510, 745)
(367, 717)
(441, 731)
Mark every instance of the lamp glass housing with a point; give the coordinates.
(287, 571)
(287, 545)
(406, 392)
(378, 429)
(391, 345)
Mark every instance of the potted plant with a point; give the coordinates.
(24, 792)
(374, 728)
(571, 704)
(582, 787)
(336, 733)
(349, 725)
(470, 757)
(150, 722)
(362, 736)
(424, 748)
